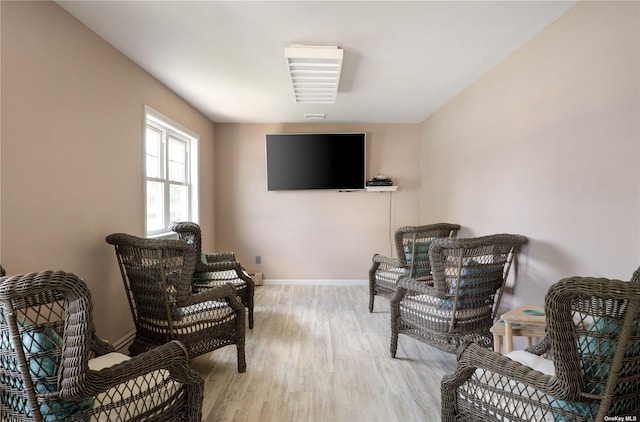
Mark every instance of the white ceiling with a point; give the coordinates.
(402, 60)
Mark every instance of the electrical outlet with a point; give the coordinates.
(258, 259)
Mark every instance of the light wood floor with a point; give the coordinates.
(317, 354)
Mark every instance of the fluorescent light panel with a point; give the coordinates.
(315, 72)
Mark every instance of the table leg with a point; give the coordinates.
(508, 337)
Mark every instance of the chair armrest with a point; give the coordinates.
(225, 292)
(410, 287)
(544, 347)
(220, 256)
(171, 356)
(414, 286)
(472, 356)
(386, 265)
(101, 347)
(484, 379)
(390, 262)
(213, 267)
(223, 266)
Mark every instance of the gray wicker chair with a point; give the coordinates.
(412, 249)
(157, 275)
(594, 335)
(542, 348)
(53, 366)
(469, 275)
(215, 269)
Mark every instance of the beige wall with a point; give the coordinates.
(72, 153)
(311, 235)
(0, 135)
(548, 145)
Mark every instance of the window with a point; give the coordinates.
(171, 164)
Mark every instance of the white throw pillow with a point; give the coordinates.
(120, 396)
(533, 361)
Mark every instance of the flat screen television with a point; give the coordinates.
(306, 161)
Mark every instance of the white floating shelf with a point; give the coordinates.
(381, 188)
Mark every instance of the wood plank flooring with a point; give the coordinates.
(316, 354)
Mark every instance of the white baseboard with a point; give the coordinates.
(311, 282)
(125, 340)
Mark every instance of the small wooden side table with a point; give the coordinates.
(529, 322)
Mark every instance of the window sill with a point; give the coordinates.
(165, 235)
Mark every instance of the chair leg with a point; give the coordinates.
(250, 316)
(242, 362)
(372, 284)
(394, 344)
(248, 302)
(395, 315)
(240, 341)
(394, 329)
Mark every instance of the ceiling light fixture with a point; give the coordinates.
(315, 72)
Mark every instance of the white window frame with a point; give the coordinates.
(170, 129)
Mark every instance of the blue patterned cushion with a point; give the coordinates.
(41, 366)
(595, 347)
(477, 283)
(420, 258)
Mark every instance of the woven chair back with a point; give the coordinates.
(37, 312)
(594, 333)
(157, 277)
(192, 234)
(470, 273)
(412, 245)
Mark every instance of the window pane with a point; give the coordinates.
(177, 172)
(153, 152)
(155, 206)
(177, 161)
(178, 203)
(177, 150)
(153, 167)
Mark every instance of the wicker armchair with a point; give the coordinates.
(215, 269)
(594, 335)
(53, 367)
(412, 248)
(157, 275)
(469, 275)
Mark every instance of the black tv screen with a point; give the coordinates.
(316, 161)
